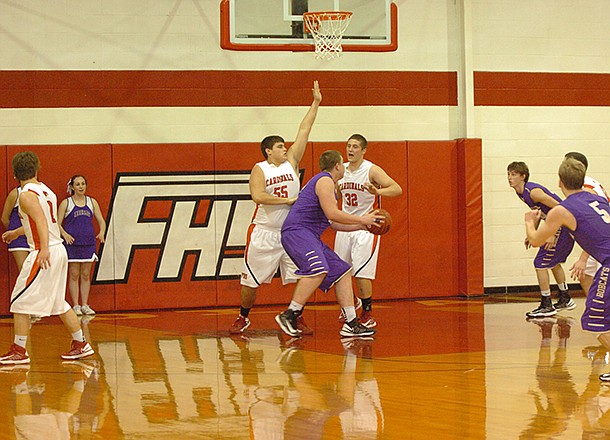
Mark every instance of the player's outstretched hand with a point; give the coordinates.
(317, 95)
(371, 188)
(578, 270)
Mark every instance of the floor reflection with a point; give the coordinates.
(453, 369)
(556, 396)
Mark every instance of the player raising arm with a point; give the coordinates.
(274, 186)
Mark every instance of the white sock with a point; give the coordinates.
(349, 312)
(78, 336)
(545, 292)
(21, 340)
(563, 286)
(295, 306)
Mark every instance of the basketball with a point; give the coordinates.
(382, 228)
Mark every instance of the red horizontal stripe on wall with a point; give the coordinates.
(212, 88)
(541, 89)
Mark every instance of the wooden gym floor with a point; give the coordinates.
(437, 369)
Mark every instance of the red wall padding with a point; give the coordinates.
(434, 248)
(433, 218)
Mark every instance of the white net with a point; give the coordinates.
(327, 29)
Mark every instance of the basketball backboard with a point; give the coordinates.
(277, 25)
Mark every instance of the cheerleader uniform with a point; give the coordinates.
(21, 242)
(78, 222)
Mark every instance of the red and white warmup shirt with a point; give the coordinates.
(595, 186)
(48, 202)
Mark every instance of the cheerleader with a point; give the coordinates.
(76, 223)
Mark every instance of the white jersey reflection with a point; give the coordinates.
(254, 387)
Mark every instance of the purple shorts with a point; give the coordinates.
(313, 257)
(81, 254)
(549, 258)
(596, 317)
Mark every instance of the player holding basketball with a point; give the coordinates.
(274, 186)
(41, 284)
(585, 267)
(318, 265)
(554, 252)
(587, 217)
(361, 189)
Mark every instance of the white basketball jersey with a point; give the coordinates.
(356, 199)
(596, 186)
(280, 181)
(48, 203)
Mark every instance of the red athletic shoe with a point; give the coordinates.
(240, 324)
(367, 319)
(78, 350)
(16, 355)
(305, 329)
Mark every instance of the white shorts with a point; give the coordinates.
(42, 292)
(361, 250)
(592, 266)
(264, 254)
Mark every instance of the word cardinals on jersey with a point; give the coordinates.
(279, 179)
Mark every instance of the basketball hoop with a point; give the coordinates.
(327, 29)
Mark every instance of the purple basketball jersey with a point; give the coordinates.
(592, 214)
(306, 211)
(564, 243)
(301, 238)
(527, 198)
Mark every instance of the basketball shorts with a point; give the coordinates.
(19, 244)
(592, 266)
(42, 292)
(81, 253)
(361, 250)
(264, 255)
(596, 317)
(313, 257)
(549, 258)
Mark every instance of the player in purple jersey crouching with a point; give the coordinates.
(319, 266)
(587, 217)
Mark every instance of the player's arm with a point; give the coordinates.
(543, 198)
(346, 228)
(382, 184)
(29, 205)
(100, 220)
(556, 218)
(11, 235)
(9, 203)
(297, 150)
(258, 193)
(325, 190)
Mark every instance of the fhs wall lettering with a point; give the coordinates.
(217, 237)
